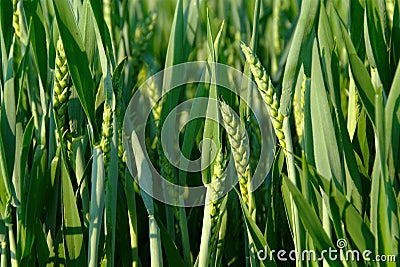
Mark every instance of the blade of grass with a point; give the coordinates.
(87, 25)
(376, 32)
(244, 108)
(34, 14)
(256, 235)
(395, 37)
(75, 254)
(310, 221)
(41, 246)
(103, 30)
(174, 56)
(171, 250)
(6, 23)
(112, 174)
(211, 127)
(357, 23)
(96, 206)
(191, 17)
(353, 221)
(38, 180)
(361, 76)
(143, 172)
(8, 116)
(5, 187)
(330, 67)
(384, 222)
(305, 24)
(326, 154)
(210, 149)
(392, 125)
(133, 220)
(21, 156)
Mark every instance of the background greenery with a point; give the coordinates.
(66, 196)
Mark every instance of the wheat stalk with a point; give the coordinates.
(281, 126)
(212, 211)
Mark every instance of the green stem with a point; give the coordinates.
(13, 247)
(252, 211)
(246, 245)
(110, 211)
(185, 236)
(3, 254)
(155, 242)
(221, 238)
(204, 254)
(170, 217)
(326, 223)
(82, 181)
(131, 203)
(291, 169)
(96, 206)
(252, 249)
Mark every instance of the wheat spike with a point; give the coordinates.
(106, 135)
(145, 32)
(15, 22)
(61, 88)
(142, 36)
(117, 88)
(239, 147)
(298, 108)
(216, 189)
(267, 91)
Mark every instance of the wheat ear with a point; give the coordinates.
(267, 91)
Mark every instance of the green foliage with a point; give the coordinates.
(70, 67)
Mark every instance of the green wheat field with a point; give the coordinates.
(77, 188)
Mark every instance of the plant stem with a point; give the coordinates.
(155, 242)
(96, 206)
(185, 235)
(204, 254)
(297, 237)
(3, 254)
(326, 223)
(13, 247)
(132, 215)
